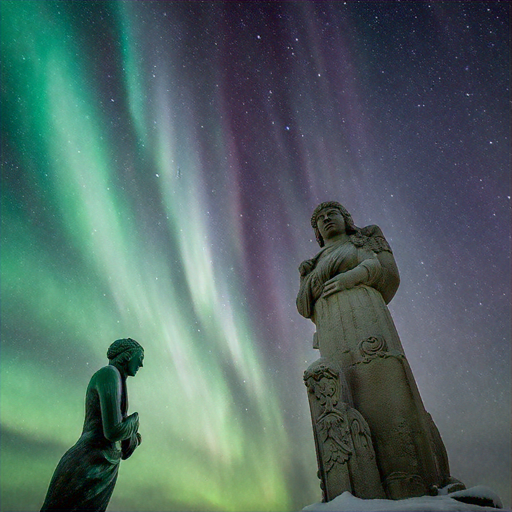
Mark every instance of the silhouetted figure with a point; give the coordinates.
(86, 475)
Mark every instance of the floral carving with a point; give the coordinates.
(335, 436)
(331, 424)
(372, 347)
(360, 433)
(345, 454)
(323, 380)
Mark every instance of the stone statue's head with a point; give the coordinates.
(122, 351)
(350, 227)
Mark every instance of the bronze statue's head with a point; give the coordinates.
(350, 227)
(122, 353)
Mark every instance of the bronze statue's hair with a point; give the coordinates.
(122, 350)
(350, 227)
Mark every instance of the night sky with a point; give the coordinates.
(160, 163)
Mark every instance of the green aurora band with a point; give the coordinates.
(161, 191)
(108, 279)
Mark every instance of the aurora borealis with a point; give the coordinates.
(160, 162)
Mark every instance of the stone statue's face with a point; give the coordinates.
(135, 363)
(330, 223)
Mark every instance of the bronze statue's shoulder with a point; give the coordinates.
(107, 373)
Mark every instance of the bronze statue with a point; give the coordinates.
(344, 290)
(86, 475)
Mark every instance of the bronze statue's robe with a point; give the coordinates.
(86, 475)
(354, 329)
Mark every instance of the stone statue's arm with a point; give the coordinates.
(368, 272)
(108, 385)
(389, 280)
(305, 301)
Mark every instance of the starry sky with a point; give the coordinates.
(160, 163)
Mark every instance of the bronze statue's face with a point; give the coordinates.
(135, 363)
(330, 223)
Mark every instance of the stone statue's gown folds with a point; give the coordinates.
(86, 475)
(354, 328)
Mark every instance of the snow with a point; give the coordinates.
(348, 503)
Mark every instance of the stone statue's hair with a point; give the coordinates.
(350, 227)
(122, 350)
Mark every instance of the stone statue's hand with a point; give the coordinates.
(340, 282)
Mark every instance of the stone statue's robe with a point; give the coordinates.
(86, 475)
(354, 329)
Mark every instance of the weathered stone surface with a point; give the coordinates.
(344, 290)
(346, 458)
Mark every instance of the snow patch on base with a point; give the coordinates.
(348, 503)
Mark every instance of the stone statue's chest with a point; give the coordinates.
(335, 260)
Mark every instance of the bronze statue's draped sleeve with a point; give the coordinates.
(109, 385)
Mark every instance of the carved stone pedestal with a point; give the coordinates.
(346, 459)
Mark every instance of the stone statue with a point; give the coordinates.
(86, 475)
(344, 290)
